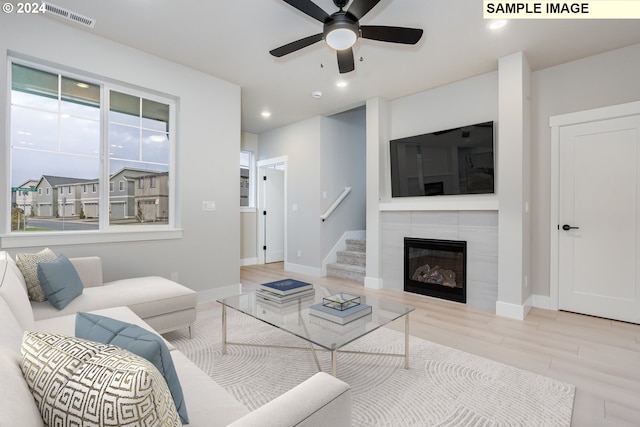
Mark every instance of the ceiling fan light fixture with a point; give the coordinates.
(341, 38)
(341, 32)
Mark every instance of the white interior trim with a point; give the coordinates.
(555, 123)
(281, 160)
(217, 293)
(303, 269)
(513, 311)
(18, 240)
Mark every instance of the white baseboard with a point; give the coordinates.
(372, 283)
(541, 301)
(303, 269)
(248, 261)
(217, 293)
(513, 311)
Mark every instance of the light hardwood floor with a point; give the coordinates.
(600, 357)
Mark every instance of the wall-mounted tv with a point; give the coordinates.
(447, 162)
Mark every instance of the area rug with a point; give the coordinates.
(442, 387)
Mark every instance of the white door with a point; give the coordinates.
(273, 213)
(598, 214)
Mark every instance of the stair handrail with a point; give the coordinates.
(335, 204)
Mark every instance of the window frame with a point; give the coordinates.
(106, 232)
(252, 183)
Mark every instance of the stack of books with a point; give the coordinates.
(340, 308)
(285, 290)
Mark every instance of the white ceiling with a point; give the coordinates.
(231, 39)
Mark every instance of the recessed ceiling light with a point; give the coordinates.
(342, 83)
(265, 114)
(316, 94)
(496, 24)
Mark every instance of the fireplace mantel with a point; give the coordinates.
(447, 203)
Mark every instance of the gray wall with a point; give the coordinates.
(325, 154)
(206, 258)
(598, 81)
(300, 142)
(342, 164)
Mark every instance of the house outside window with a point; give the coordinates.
(247, 198)
(56, 122)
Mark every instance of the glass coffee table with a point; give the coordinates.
(319, 334)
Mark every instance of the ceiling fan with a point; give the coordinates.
(342, 29)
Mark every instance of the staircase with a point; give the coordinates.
(351, 262)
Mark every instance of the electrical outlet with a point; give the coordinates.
(174, 276)
(299, 253)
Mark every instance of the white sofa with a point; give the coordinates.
(319, 401)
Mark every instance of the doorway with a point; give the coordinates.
(598, 211)
(272, 190)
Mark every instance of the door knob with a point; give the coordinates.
(567, 227)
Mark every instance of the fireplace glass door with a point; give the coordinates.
(436, 268)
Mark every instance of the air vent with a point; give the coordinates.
(67, 14)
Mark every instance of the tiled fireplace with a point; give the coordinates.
(479, 229)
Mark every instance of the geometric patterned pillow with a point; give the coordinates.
(28, 265)
(81, 383)
(139, 341)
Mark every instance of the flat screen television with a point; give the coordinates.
(447, 162)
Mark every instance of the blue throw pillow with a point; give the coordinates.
(138, 341)
(59, 281)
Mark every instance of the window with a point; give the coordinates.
(57, 122)
(246, 179)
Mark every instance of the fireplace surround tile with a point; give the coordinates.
(478, 228)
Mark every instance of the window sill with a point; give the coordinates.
(82, 238)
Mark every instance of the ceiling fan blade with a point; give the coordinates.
(359, 8)
(391, 34)
(296, 45)
(345, 61)
(309, 8)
